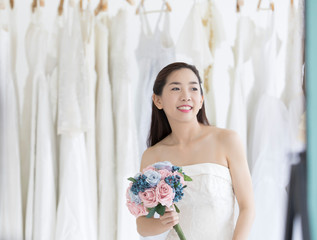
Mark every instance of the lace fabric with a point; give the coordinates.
(207, 208)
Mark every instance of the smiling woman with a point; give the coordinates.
(213, 157)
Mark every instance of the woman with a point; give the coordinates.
(213, 157)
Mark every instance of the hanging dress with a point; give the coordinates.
(192, 42)
(88, 32)
(122, 77)
(267, 137)
(237, 112)
(75, 214)
(155, 51)
(292, 94)
(41, 193)
(104, 134)
(11, 220)
(220, 35)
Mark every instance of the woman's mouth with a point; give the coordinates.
(185, 108)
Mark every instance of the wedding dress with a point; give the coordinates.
(88, 33)
(237, 112)
(122, 76)
(41, 189)
(155, 50)
(75, 210)
(11, 220)
(268, 137)
(105, 133)
(192, 42)
(292, 95)
(207, 208)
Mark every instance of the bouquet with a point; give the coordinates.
(158, 186)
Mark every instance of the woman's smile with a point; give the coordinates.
(185, 108)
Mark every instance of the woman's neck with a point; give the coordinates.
(184, 132)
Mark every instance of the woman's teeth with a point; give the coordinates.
(184, 108)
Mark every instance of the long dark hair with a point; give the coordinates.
(160, 127)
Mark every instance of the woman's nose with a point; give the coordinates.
(185, 97)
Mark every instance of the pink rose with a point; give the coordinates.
(182, 181)
(148, 197)
(165, 173)
(136, 209)
(127, 192)
(164, 193)
(150, 167)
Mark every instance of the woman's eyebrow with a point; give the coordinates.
(178, 83)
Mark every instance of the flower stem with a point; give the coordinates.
(179, 231)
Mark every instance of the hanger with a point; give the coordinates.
(34, 4)
(292, 2)
(168, 8)
(131, 2)
(270, 8)
(240, 3)
(60, 7)
(102, 7)
(12, 4)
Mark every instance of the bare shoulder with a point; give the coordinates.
(222, 134)
(150, 156)
(229, 140)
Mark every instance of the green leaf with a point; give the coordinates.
(180, 171)
(187, 178)
(185, 186)
(151, 212)
(176, 208)
(132, 179)
(160, 209)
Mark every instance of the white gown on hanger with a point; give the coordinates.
(207, 208)
(237, 113)
(155, 50)
(88, 32)
(41, 193)
(193, 43)
(267, 138)
(11, 220)
(75, 214)
(122, 76)
(221, 38)
(292, 95)
(105, 134)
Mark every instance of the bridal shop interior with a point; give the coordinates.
(76, 79)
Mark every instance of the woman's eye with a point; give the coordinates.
(195, 89)
(175, 89)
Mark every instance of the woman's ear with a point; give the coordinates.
(157, 101)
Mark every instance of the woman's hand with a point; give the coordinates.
(170, 217)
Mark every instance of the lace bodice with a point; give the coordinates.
(207, 208)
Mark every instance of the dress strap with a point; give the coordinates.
(144, 22)
(159, 18)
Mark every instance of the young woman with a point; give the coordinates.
(213, 157)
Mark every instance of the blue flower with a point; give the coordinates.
(140, 185)
(163, 165)
(152, 177)
(134, 198)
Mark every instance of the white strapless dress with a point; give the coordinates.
(207, 208)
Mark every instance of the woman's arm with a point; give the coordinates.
(242, 184)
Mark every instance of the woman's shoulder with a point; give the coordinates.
(224, 136)
(149, 156)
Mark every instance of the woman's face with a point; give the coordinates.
(181, 98)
